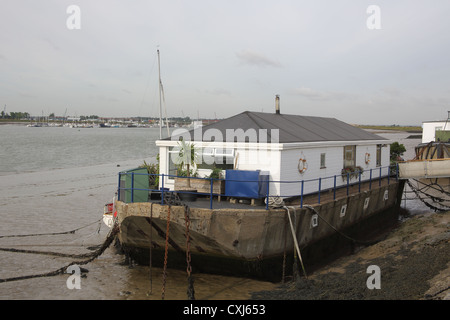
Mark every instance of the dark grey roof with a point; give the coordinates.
(292, 128)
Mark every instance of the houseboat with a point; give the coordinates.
(428, 173)
(287, 182)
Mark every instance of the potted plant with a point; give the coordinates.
(351, 172)
(186, 158)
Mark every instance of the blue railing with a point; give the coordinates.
(135, 193)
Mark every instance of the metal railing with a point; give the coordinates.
(323, 185)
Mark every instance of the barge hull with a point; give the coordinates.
(255, 242)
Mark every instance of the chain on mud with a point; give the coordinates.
(89, 257)
(174, 199)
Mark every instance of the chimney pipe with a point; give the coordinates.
(277, 104)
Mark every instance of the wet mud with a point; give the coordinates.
(413, 261)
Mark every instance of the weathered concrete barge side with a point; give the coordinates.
(252, 242)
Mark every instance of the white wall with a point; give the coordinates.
(333, 166)
(429, 129)
(283, 166)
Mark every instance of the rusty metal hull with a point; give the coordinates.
(249, 242)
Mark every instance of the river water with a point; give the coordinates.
(58, 179)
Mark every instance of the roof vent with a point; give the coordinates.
(277, 104)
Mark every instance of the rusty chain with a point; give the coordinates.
(190, 290)
(166, 252)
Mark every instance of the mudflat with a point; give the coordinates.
(413, 261)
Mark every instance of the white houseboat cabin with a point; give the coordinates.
(288, 148)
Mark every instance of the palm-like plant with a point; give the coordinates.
(187, 156)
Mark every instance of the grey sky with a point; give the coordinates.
(219, 58)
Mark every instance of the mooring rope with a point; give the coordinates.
(418, 191)
(295, 239)
(109, 239)
(50, 233)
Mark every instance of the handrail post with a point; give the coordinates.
(267, 193)
(359, 184)
(348, 182)
(118, 188)
(320, 185)
(370, 179)
(301, 197)
(379, 178)
(162, 189)
(389, 175)
(334, 189)
(132, 187)
(211, 194)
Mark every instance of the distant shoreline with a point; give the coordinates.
(389, 128)
(409, 129)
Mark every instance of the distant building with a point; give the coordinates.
(435, 129)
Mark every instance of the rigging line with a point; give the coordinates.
(148, 83)
(48, 234)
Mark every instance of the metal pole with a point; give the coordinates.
(348, 182)
(118, 188)
(211, 194)
(162, 189)
(320, 185)
(334, 190)
(132, 187)
(160, 106)
(301, 197)
(379, 179)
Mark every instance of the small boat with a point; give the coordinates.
(109, 214)
(428, 173)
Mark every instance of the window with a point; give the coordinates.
(322, 161)
(378, 155)
(349, 156)
(172, 166)
(217, 158)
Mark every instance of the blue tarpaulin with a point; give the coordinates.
(246, 183)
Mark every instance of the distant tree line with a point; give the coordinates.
(15, 115)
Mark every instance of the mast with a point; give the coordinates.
(161, 92)
(160, 106)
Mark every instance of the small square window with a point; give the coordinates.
(366, 203)
(322, 160)
(343, 210)
(314, 220)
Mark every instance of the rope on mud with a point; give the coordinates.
(418, 191)
(430, 296)
(90, 257)
(281, 204)
(48, 234)
(366, 243)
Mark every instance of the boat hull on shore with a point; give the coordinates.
(252, 242)
(428, 174)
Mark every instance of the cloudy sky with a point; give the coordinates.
(222, 57)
